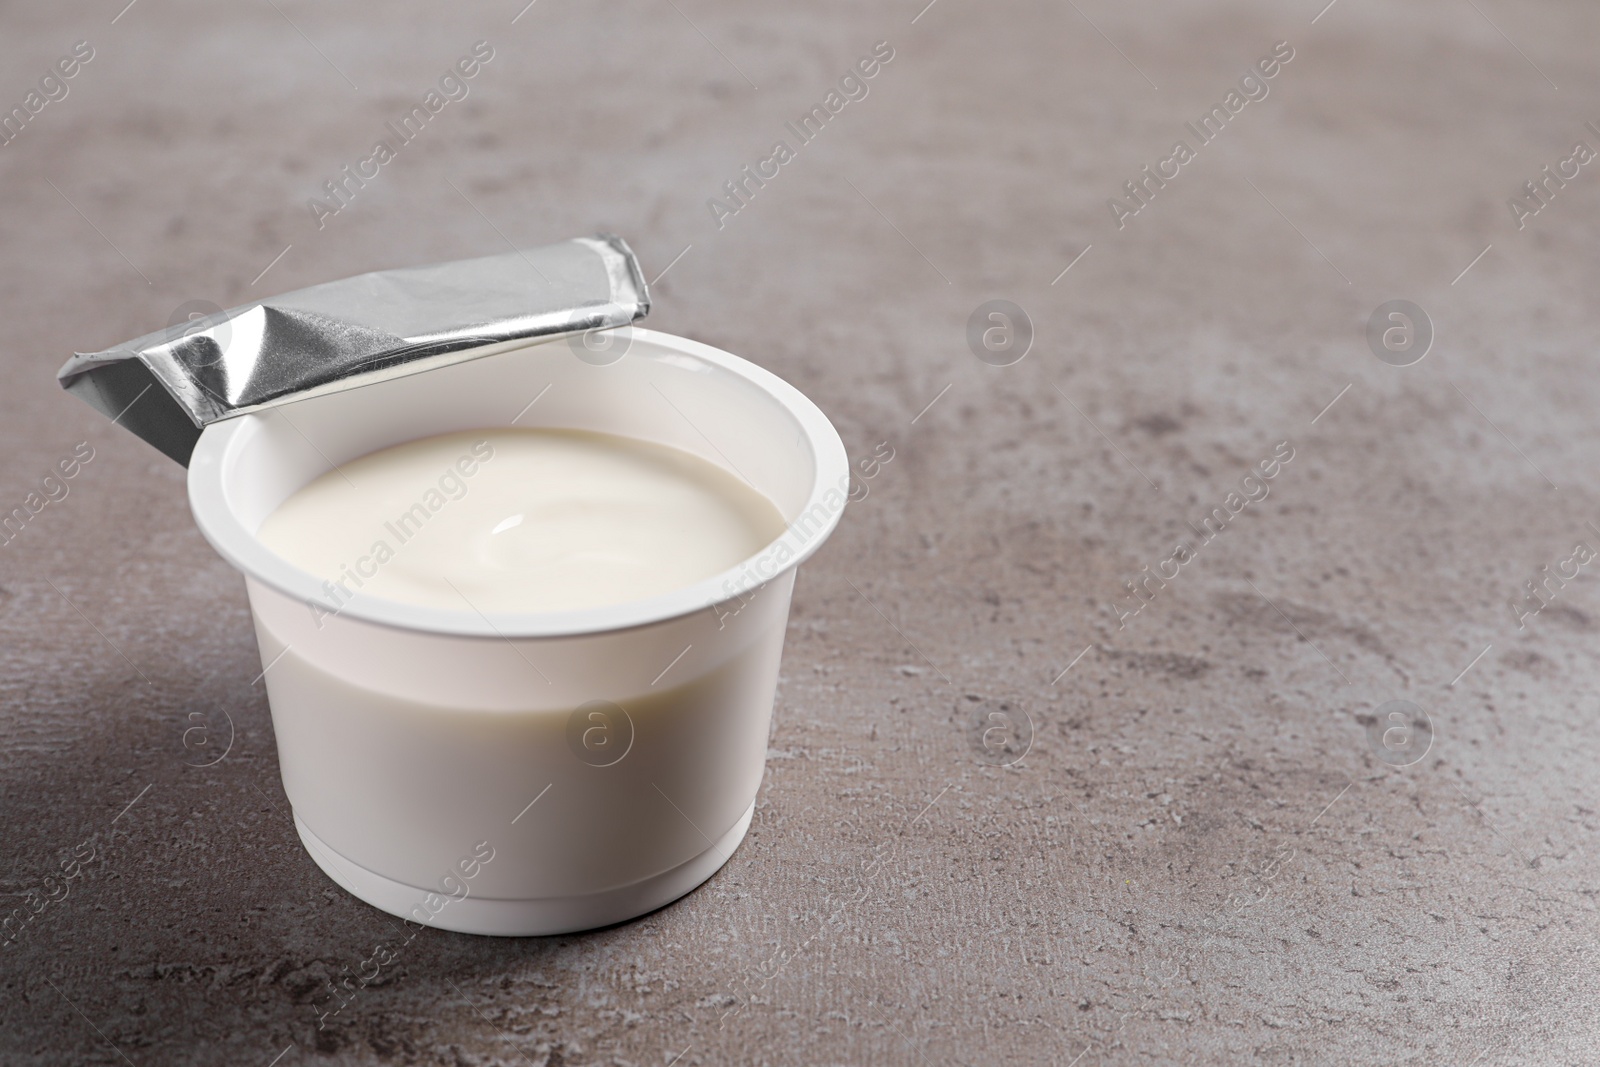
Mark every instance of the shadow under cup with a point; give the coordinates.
(526, 773)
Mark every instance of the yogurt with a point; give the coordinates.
(520, 520)
(608, 757)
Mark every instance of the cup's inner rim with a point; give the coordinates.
(222, 444)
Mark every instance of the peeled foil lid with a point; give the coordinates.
(169, 385)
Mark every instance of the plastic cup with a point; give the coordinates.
(539, 772)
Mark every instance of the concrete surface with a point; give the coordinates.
(1202, 859)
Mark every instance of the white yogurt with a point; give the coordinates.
(609, 756)
(520, 520)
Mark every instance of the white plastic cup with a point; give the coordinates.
(453, 767)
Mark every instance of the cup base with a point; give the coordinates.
(525, 918)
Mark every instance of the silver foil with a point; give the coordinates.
(167, 386)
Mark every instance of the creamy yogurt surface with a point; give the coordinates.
(520, 520)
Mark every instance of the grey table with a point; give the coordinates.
(1220, 847)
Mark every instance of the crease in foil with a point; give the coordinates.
(169, 385)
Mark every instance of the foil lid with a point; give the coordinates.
(169, 385)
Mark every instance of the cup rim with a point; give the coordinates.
(219, 442)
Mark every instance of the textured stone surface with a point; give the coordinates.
(1201, 859)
